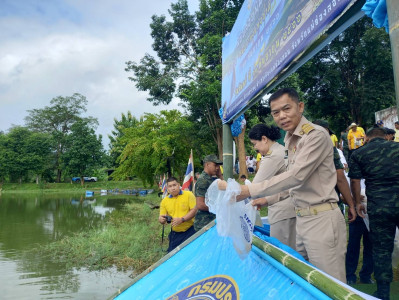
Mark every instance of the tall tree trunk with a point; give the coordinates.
(241, 152)
(37, 179)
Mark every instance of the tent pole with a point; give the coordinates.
(393, 20)
(227, 152)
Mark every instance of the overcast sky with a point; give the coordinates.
(51, 48)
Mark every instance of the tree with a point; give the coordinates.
(351, 78)
(116, 144)
(16, 157)
(38, 148)
(84, 150)
(23, 151)
(188, 63)
(160, 143)
(57, 120)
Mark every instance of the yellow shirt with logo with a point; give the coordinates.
(356, 139)
(178, 207)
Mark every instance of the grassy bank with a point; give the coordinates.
(130, 240)
(71, 187)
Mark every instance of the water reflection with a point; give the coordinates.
(27, 221)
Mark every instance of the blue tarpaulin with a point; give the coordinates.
(210, 264)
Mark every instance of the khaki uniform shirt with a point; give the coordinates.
(311, 175)
(280, 205)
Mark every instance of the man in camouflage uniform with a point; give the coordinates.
(211, 172)
(378, 163)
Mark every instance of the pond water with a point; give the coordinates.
(29, 220)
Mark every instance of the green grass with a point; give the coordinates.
(371, 288)
(130, 240)
(70, 187)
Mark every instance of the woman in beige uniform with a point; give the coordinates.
(281, 211)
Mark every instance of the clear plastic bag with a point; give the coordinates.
(233, 219)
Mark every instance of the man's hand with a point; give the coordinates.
(361, 210)
(222, 185)
(162, 219)
(259, 203)
(176, 221)
(352, 214)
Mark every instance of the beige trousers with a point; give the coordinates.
(285, 231)
(321, 239)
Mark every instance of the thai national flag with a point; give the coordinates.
(189, 177)
(164, 184)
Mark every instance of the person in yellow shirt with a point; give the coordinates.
(355, 138)
(396, 139)
(178, 209)
(334, 139)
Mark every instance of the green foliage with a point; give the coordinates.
(22, 152)
(57, 120)
(351, 78)
(189, 62)
(83, 150)
(116, 145)
(157, 142)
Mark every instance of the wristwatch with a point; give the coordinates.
(183, 220)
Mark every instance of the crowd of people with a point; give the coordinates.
(305, 186)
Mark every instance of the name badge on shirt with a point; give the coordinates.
(286, 158)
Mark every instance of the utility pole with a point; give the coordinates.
(227, 152)
(393, 20)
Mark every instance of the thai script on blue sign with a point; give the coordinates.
(214, 287)
(267, 36)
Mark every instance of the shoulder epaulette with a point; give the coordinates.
(306, 128)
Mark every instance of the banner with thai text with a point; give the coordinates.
(267, 37)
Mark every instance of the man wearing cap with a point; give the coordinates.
(355, 138)
(211, 172)
(310, 179)
(377, 163)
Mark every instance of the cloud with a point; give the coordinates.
(57, 48)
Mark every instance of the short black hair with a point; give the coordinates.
(171, 178)
(292, 93)
(243, 176)
(376, 132)
(397, 122)
(259, 130)
(389, 131)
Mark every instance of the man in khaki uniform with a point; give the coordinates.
(310, 178)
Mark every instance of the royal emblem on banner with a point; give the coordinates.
(220, 287)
